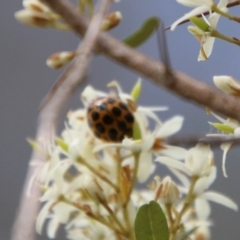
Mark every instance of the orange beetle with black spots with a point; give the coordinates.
(110, 119)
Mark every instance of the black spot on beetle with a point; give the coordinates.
(116, 111)
(122, 126)
(129, 118)
(100, 128)
(107, 120)
(95, 116)
(112, 133)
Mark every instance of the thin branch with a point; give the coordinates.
(24, 224)
(188, 141)
(182, 84)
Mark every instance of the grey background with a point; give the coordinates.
(25, 79)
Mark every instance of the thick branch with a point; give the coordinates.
(24, 224)
(183, 85)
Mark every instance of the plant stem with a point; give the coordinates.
(112, 215)
(126, 201)
(225, 14)
(134, 177)
(98, 174)
(91, 215)
(186, 205)
(215, 33)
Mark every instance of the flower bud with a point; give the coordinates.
(166, 190)
(35, 5)
(34, 18)
(227, 84)
(60, 59)
(111, 21)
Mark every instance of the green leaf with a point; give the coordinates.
(151, 223)
(200, 23)
(61, 144)
(143, 33)
(137, 135)
(222, 127)
(135, 93)
(187, 234)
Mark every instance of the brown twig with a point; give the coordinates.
(189, 141)
(24, 224)
(183, 85)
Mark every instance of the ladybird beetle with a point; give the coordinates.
(110, 119)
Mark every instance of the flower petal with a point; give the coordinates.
(174, 152)
(171, 163)
(181, 177)
(146, 167)
(170, 127)
(220, 199)
(52, 228)
(106, 145)
(195, 3)
(203, 209)
(207, 48)
(149, 113)
(204, 182)
(194, 12)
(227, 84)
(225, 147)
(42, 216)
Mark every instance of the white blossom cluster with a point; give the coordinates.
(89, 185)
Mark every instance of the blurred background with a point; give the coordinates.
(25, 80)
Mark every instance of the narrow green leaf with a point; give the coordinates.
(151, 223)
(222, 127)
(143, 33)
(137, 135)
(135, 93)
(187, 234)
(200, 23)
(34, 145)
(61, 144)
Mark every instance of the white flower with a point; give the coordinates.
(202, 208)
(230, 128)
(200, 7)
(198, 162)
(200, 193)
(204, 37)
